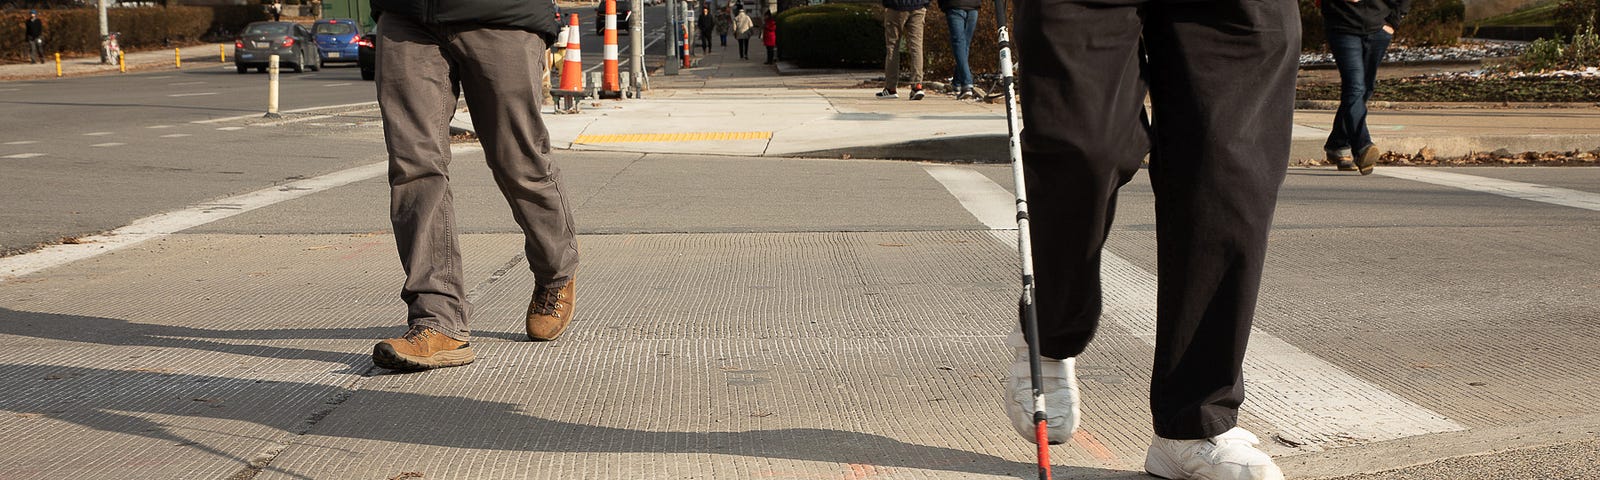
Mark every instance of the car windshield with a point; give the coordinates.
(334, 29)
(268, 29)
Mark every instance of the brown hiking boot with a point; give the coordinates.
(550, 311)
(1345, 163)
(1368, 159)
(422, 348)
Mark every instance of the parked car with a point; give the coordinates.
(291, 42)
(337, 40)
(624, 13)
(367, 55)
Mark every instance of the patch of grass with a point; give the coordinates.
(1541, 13)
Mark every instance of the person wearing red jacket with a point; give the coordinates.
(769, 37)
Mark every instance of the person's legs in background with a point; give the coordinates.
(962, 23)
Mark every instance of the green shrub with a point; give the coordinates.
(77, 31)
(1555, 54)
(1430, 23)
(831, 35)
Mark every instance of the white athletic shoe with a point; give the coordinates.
(1229, 456)
(888, 94)
(1060, 393)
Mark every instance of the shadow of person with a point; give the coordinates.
(138, 402)
(118, 332)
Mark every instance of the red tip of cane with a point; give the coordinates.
(1042, 437)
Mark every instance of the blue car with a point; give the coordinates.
(338, 39)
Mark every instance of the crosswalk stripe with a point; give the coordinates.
(1304, 397)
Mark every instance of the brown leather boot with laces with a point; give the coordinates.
(422, 348)
(550, 311)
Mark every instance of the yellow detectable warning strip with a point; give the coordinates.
(672, 137)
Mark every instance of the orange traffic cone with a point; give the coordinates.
(572, 70)
(610, 84)
(571, 89)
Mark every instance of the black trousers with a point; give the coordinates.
(1220, 76)
(744, 48)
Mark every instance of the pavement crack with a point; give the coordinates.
(611, 180)
(477, 290)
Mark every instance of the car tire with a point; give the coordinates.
(242, 69)
(300, 63)
(368, 74)
(321, 64)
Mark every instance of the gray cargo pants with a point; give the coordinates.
(499, 70)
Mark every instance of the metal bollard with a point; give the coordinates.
(122, 62)
(272, 88)
(222, 54)
(177, 57)
(58, 64)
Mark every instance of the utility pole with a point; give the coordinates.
(636, 49)
(670, 67)
(105, 35)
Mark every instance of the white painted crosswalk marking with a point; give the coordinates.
(24, 155)
(1303, 396)
(108, 144)
(163, 224)
(1508, 188)
(22, 142)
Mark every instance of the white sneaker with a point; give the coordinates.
(888, 94)
(1060, 393)
(1229, 456)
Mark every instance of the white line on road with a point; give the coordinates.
(108, 144)
(159, 126)
(229, 129)
(98, 134)
(163, 224)
(298, 110)
(179, 84)
(10, 89)
(176, 135)
(1508, 188)
(1304, 397)
(22, 142)
(24, 155)
(200, 94)
(338, 84)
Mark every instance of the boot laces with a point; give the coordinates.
(547, 300)
(417, 335)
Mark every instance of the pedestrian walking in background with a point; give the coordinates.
(902, 19)
(34, 31)
(495, 50)
(1359, 32)
(724, 23)
(1218, 137)
(276, 10)
(742, 29)
(769, 37)
(962, 16)
(706, 23)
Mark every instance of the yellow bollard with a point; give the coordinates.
(58, 64)
(122, 63)
(222, 54)
(177, 57)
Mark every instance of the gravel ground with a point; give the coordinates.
(1466, 52)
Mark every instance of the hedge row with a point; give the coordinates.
(851, 34)
(77, 31)
(1573, 15)
(1430, 23)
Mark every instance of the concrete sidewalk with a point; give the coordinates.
(728, 106)
(197, 56)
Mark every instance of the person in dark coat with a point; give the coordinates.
(706, 22)
(1359, 32)
(495, 51)
(34, 30)
(1220, 77)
